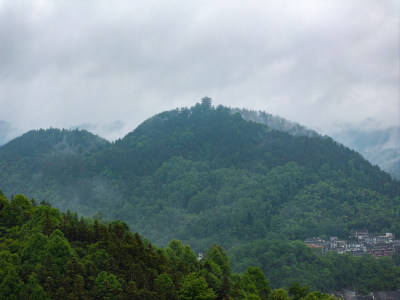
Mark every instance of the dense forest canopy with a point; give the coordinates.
(46, 254)
(204, 175)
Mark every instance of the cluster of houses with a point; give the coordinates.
(361, 243)
(382, 295)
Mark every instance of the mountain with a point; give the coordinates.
(205, 175)
(380, 147)
(46, 161)
(275, 122)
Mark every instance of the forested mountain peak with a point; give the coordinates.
(205, 175)
(218, 134)
(45, 141)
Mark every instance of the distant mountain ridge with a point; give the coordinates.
(275, 122)
(380, 147)
(40, 142)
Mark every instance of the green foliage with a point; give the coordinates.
(279, 294)
(33, 290)
(107, 285)
(21, 202)
(45, 219)
(195, 287)
(254, 282)
(176, 251)
(288, 262)
(6, 213)
(297, 291)
(34, 251)
(11, 285)
(165, 287)
(216, 255)
(4, 203)
(59, 248)
(86, 259)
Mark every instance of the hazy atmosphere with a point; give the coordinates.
(106, 66)
(121, 179)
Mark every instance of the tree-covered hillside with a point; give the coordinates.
(203, 175)
(45, 162)
(381, 147)
(274, 122)
(46, 254)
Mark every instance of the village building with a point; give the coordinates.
(362, 243)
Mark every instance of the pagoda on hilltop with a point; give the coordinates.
(206, 102)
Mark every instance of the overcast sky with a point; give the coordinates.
(109, 65)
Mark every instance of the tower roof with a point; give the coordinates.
(206, 101)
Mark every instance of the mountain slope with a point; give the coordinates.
(380, 147)
(204, 175)
(275, 122)
(49, 255)
(44, 162)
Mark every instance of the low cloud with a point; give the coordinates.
(114, 64)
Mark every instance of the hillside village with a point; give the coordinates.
(377, 245)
